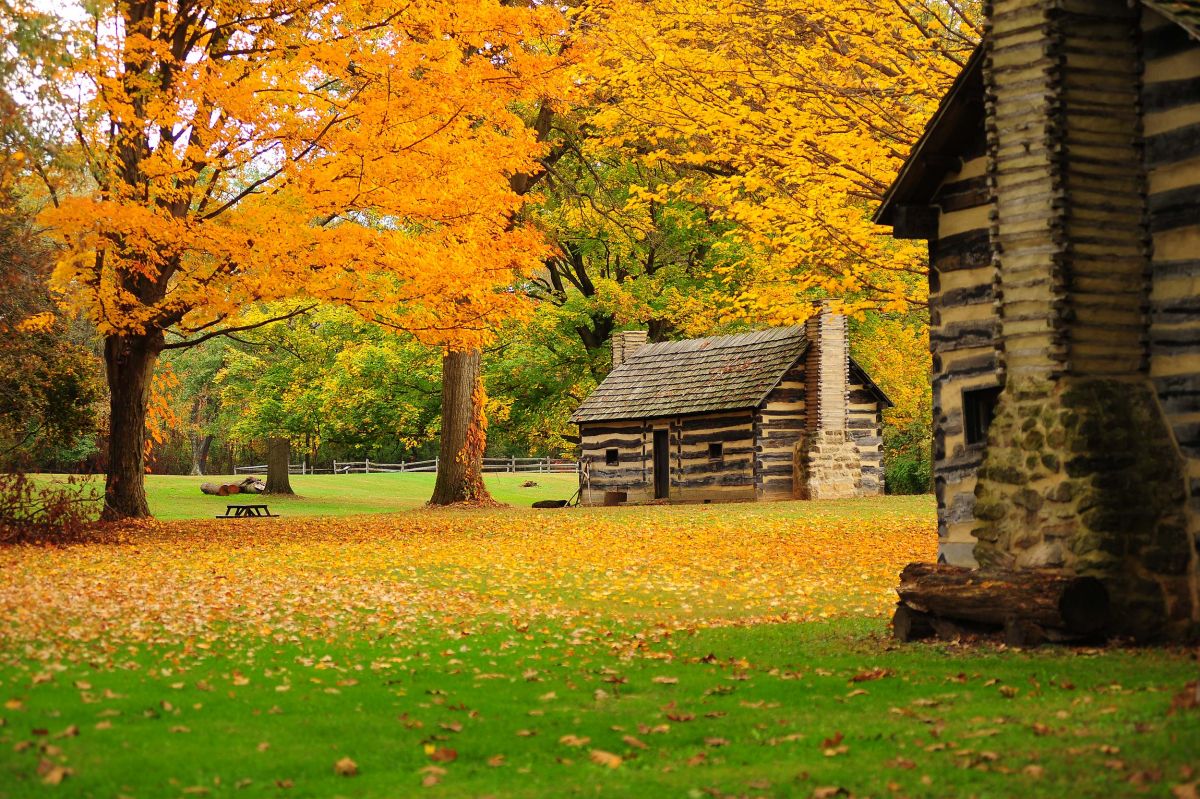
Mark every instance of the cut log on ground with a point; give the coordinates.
(1028, 606)
(252, 485)
(551, 503)
(220, 490)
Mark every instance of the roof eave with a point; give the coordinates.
(909, 177)
(1168, 10)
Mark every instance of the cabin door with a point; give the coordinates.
(662, 465)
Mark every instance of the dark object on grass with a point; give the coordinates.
(1029, 607)
(529, 484)
(551, 503)
(219, 490)
(246, 512)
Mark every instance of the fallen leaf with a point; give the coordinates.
(829, 792)
(634, 742)
(574, 740)
(606, 759)
(443, 755)
(345, 768)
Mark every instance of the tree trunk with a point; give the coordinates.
(200, 446)
(464, 430)
(279, 456)
(129, 367)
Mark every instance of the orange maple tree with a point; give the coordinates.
(357, 152)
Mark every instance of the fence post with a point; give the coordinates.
(436, 463)
(367, 465)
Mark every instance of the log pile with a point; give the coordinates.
(1026, 607)
(251, 485)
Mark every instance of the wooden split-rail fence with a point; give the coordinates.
(491, 465)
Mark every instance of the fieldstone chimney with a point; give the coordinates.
(1081, 471)
(826, 462)
(626, 343)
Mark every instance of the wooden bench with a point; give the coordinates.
(246, 512)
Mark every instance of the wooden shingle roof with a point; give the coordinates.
(700, 375)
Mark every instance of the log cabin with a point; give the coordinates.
(1058, 187)
(783, 413)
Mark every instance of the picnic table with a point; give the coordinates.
(246, 512)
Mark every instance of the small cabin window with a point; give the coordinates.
(716, 451)
(612, 457)
(979, 406)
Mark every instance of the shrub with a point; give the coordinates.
(908, 473)
(52, 513)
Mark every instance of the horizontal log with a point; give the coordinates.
(1049, 599)
(718, 436)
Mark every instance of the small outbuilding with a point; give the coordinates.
(783, 413)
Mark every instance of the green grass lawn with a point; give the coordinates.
(704, 651)
(179, 497)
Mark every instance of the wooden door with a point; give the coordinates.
(662, 465)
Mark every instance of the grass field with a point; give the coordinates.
(179, 497)
(702, 651)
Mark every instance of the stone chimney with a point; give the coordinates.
(826, 462)
(1081, 470)
(626, 343)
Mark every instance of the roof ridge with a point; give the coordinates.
(784, 332)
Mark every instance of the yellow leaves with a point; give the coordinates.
(686, 565)
(345, 767)
(38, 323)
(796, 115)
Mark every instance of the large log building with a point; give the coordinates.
(1058, 186)
(777, 414)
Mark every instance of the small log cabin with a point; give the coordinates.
(1058, 187)
(777, 414)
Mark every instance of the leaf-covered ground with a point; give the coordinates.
(735, 650)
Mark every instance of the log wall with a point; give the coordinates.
(865, 424)
(779, 425)
(964, 333)
(695, 477)
(1171, 125)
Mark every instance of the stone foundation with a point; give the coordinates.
(1083, 474)
(826, 465)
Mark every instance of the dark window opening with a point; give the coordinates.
(612, 457)
(979, 406)
(716, 451)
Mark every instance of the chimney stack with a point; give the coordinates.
(826, 462)
(625, 343)
(827, 370)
